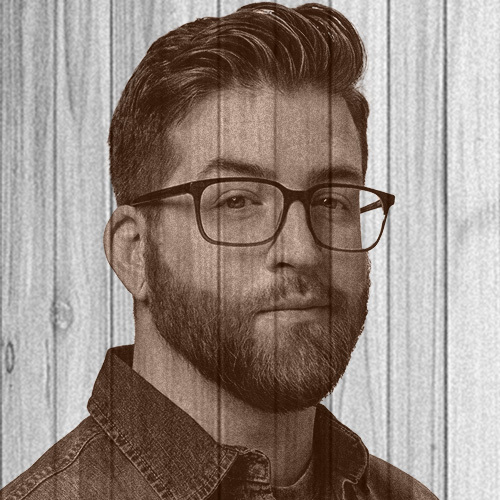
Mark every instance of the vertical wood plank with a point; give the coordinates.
(82, 196)
(417, 242)
(27, 217)
(136, 25)
(473, 249)
(360, 400)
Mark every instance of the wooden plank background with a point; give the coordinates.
(423, 387)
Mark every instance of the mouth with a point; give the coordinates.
(293, 314)
(299, 304)
(294, 308)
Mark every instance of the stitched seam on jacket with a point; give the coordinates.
(136, 459)
(345, 430)
(34, 481)
(207, 485)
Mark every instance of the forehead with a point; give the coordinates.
(291, 135)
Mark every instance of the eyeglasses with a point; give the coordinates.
(247, 211)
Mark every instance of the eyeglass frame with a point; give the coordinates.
(196, 188)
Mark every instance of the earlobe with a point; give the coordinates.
(124, 243)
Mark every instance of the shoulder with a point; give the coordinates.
(387, 481)
(83, 464)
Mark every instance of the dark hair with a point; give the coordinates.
(261, 44)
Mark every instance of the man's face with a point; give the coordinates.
(274, 324)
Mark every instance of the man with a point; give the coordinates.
(238, 157)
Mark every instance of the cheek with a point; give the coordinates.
(209, 267)
(349, 272)
(228, 271)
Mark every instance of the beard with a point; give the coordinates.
(288, 368)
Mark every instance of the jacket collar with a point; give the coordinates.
(177, 457)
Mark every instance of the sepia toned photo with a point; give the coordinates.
(250, 250)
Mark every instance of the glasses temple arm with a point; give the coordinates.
(371, 206)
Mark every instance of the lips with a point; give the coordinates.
(296, 304)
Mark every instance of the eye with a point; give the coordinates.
(237, 201)
(330, 202)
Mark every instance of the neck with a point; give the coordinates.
(286, 439)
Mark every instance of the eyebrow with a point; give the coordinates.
(333, 173)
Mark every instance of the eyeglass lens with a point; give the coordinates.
(244, 212)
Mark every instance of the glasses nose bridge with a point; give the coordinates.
(292, 195)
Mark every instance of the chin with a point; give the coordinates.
(293, 369)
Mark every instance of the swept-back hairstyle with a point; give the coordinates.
(261, 44)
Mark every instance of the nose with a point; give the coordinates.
(294, 246)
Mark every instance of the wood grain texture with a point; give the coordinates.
(473, 173)
(422, 389)
(417, 242)
(136, 25)
(57, 187)
(82, 194)
(27, 153)
(360, 399)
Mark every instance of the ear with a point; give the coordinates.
(124, 244)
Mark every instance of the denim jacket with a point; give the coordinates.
(136, 443)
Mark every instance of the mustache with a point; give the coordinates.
(284, 287)
(287, 286)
